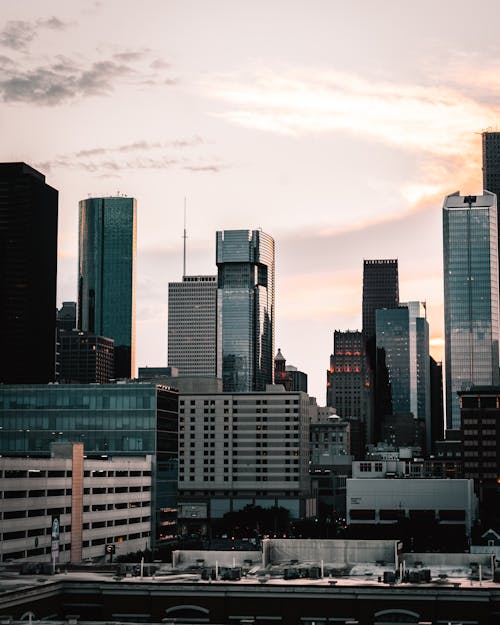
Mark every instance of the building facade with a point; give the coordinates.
(84, 358)
(245, 309)
(402, 338)
(106, 275)
(237, 449)
(97, 502)
(192, 326)
(111, 420)
(386, 501)
(470, 248)
(28, 269)
(380, 290)
(349, 380)
(66, 316)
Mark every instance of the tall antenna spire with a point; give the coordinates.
(184, 237)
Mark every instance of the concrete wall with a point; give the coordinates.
(445, 559)
(338, 552)
(183, 559)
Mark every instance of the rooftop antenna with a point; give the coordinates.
(184, 237)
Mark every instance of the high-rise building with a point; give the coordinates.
(491, 162)
(248, 456)
(349, 380)
(192, 326)
(28, 270)
(245, 309)
(106, 275)
(403, 342)
(380, 290)
(470, 248)
(85, 358)
(437, 406)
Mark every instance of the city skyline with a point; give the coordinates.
(336, 148)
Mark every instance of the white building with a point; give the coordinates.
(192, 322)
(377, 501)
(97, 503)
(237, 449)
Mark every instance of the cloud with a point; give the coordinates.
(137, 155)
(60, 82)
(305, 101)
(18, 34)
(65, 80)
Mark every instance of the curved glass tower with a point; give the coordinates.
(245, 309)
(470, 248)
(106, 275)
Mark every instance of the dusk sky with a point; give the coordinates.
(335, 126)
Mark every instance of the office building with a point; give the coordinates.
(111, 420)
(437, 406)
(151, 373)
(470, 248)
(480, 422)
(106, 275)
(298, 378)
(380, 290)
(237, 449)
(440, 504)
(28, 269)
(66, 316)
(402, 338)
(491, 162)
(245, 309)
(349, 380)
(97, 502)
(85, 358)
(192, 326)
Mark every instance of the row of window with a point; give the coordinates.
(18, 555)
(60, 492)
(22, 514)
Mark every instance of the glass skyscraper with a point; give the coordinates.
(245, 309)
(106, 275)
(403, 343)
(470, 248)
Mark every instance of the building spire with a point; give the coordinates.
(184, 236)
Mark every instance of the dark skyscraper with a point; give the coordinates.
(245, 309)
(491, 162)
(380, 290)
(28, 270)
(106, 275)
(349, 380)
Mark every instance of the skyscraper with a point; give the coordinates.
(403, 339)
(106, 275)
(491, 162)
(192, 326)
(245, 309)
(380, 290)
(349, 380)
(28, 270)
(470, 248)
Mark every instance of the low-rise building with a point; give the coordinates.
(97, 503)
